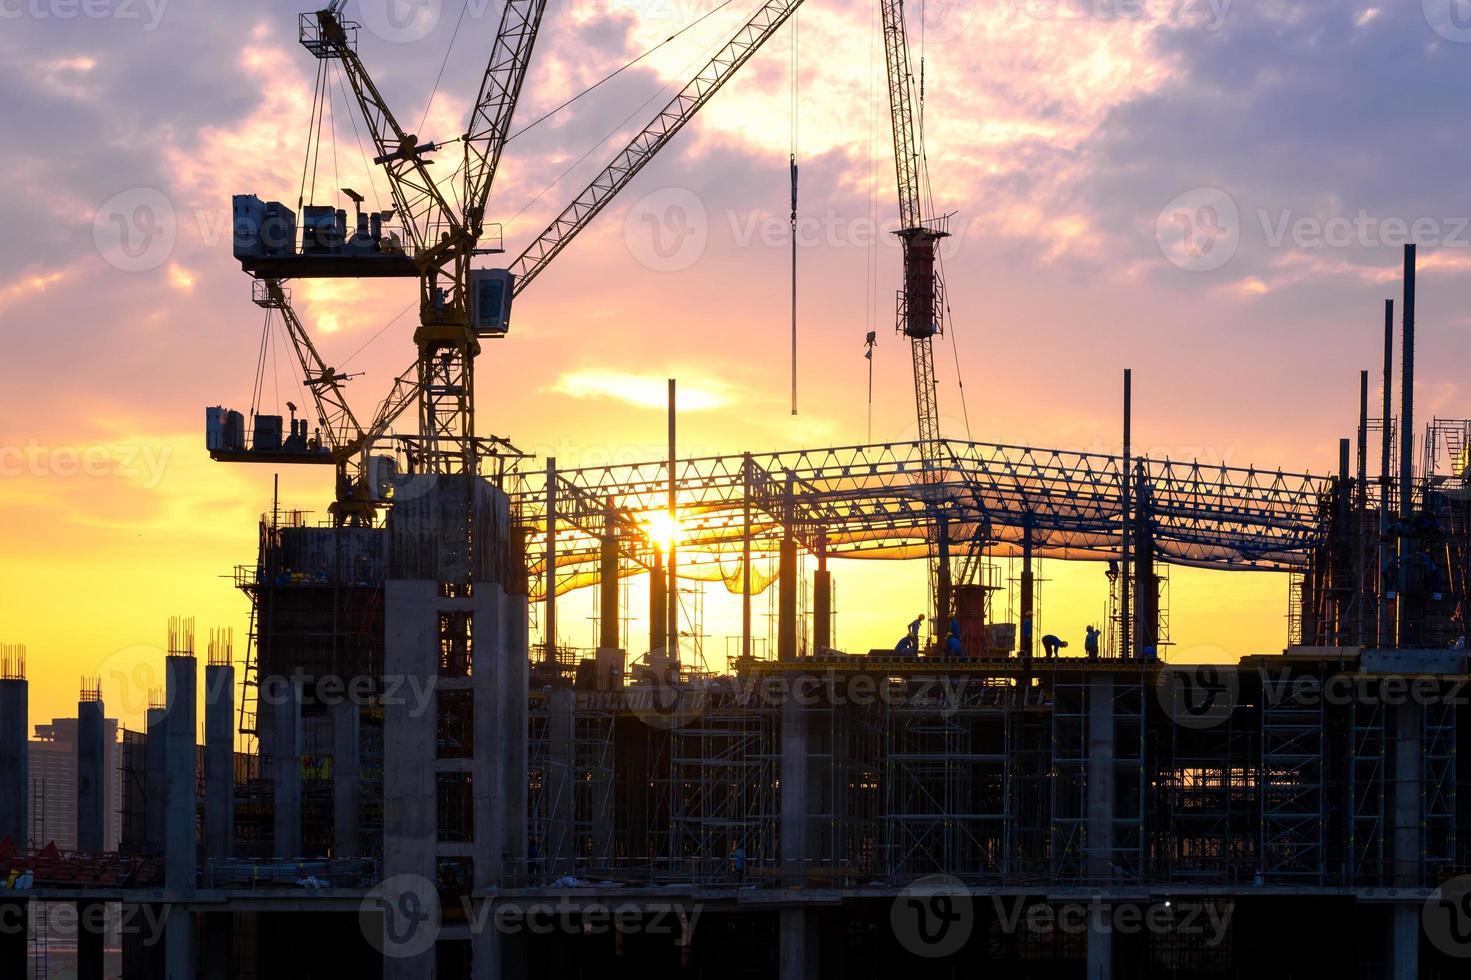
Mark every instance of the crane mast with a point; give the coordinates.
(921, 301)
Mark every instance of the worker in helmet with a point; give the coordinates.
(1051, 644)
(1090, 643)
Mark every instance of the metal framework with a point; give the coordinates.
(874, 501)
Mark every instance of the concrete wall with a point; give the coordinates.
(219, 761)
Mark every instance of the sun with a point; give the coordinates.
(663, 529)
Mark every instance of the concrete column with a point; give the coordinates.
(499, 766)
(14, 761)
(822, 600)
(217, 946)
(1100, 782)
(786, 594)
(608, 581)
(1406, 797)
(91, 816)
(219, 761)
(561, 783)
(1100, 942)
(794, 792)
(180, 959)
(91, 751)
(156, 772)
(410, 832)
(346, 767)
(14, 797)
(1404, 942)
(658, 607)
(181, 768)
(285, 747)
(797, 945)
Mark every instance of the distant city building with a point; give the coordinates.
(53, 776)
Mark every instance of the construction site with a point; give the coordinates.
(407, 771)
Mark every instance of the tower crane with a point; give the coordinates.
(921, 300)
(459, 306)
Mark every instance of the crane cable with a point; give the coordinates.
(795, 113)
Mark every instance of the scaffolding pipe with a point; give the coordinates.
(1407, 451)
(1362, 501)
(672, 595)
(746, 558)
(1126, 649)
(1384, 475)
(549, 653)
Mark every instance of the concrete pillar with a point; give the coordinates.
(658, 607)
(499, 766)
(411, 650)
(794, 791)
(156, 776)
(219, 761)
(91, 819)
(1406, 797)
(181, 767)
(1404, 942)
(1100, 781)
(217, 946)
(346, 772)
(797, 945)
(179, 951)
(608, 580)
(822, 600)
(286, 766)
(786, 594)
(561, 782)
(1100, 942)
(14, 761)
(944, 606)
(14, 803)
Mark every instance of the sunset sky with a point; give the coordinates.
(1068, 138)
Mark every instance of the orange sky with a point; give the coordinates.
(113, 517)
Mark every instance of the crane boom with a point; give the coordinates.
(650, 140)
(921, 301)
(500, 89)
(421, 206)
